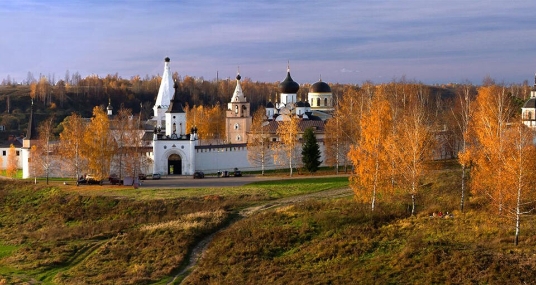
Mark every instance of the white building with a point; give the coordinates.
(174, 150)
(528, 112)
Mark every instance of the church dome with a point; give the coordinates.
(531, 103)
(270, 105)
(288, 85)
(320, 87)
(300, 104)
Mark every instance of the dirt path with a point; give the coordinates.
(201, 247)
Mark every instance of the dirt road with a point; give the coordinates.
(200, 248)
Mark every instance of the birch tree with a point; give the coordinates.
(519, 163)
(72, 144)
(44, 148)
(369, 155)
(462, 113)
(259, 149)
(99, 144)
(12, 161)
(493, 113)
(342, 131)
(286, 148)
(412, 147)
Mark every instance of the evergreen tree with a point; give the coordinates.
(310, 151)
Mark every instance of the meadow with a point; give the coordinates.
(98, 235)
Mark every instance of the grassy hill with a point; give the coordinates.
(57, 235)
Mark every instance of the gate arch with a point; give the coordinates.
(174, 164)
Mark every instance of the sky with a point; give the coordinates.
(429, 41)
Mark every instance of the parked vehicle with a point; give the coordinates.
(114, 179)
(88, 179)
(156, 176)
(199, 175)
(142, 176)
(237, 173)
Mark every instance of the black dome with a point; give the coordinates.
(300, 104)
(320, 87)
(307, 104)
(166, 59)
(238, 77)
(270, 105)
(288, 85)
(531, 103)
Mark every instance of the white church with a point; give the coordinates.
(174, 150)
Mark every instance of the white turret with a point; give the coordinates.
(238, 95)
(165, 94)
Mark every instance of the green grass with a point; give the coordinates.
(257, 191)
(64, 235)
(6, 250)
(53, 235)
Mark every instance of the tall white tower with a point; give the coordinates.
(165, 94)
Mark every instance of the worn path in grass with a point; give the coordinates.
(201, 247)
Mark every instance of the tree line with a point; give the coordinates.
(390, 132)
(98, 146)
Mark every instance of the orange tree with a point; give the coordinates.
(99, 145)
(493, 113)
(71, 143)
(285, 149)
(369, 155)
(12, 161)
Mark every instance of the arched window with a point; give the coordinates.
(318, 102)
(325, 101)
(236, 109)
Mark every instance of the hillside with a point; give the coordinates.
(96, 235)
(139, 96)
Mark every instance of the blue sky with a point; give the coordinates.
(342, 41)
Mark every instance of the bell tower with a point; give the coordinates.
(238, 117)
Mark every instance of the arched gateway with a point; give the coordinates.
(175, 164)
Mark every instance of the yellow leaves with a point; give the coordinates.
(394, 142)
(210, 121)
(99, 145)
(12, 161)
(496, 140)
(464, 157)
(285, 149)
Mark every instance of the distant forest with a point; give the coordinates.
(59, 98)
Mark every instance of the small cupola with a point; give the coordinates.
(109, 109)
